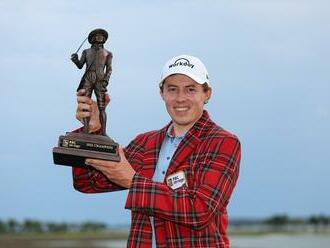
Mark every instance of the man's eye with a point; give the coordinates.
(171, 89)
(191, 90)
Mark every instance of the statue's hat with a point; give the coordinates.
(97, 31)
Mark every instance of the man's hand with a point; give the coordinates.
(87, 108)
(120, 173)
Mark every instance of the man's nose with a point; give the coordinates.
(181, 96)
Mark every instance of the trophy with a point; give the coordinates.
(73, 148)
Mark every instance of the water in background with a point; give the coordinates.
(281, 241)
(239, 241)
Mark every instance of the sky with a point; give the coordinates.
(268, 63)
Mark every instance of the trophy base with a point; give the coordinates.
(74, 148)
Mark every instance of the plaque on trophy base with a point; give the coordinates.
(74, 148)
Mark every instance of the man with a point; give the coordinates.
(180, 178)
(97, 74)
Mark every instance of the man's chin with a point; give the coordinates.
(182, 122)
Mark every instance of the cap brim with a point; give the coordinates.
(193, 77)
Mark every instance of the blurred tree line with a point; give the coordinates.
(315, 220)
(279, 222)
(35, 226)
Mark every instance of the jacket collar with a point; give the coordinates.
(196, 130)
(189, 142)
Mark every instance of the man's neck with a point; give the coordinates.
(179, 130)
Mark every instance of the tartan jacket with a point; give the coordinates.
(191, 216)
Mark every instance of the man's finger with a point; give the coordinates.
(99, 168)
(93, 165)
(121, 152)
(98, 162)
(82, 115)
(107, 99)
(81, 92)
(84, 99)
(84, 107)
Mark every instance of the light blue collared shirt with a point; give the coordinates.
(166, 153)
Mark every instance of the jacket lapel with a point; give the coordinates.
(188, 144)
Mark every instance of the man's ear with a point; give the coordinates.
(161, 93)
(209, 94)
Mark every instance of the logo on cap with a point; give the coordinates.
(181, 62)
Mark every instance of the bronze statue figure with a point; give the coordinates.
(98, 62)
(74, 147)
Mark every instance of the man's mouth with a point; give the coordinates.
(181, 109)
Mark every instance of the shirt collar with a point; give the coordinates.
(201, 127)
(170, 133)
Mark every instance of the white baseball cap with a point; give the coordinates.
(187, 65)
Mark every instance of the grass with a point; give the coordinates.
(67, 239)
(109, 235)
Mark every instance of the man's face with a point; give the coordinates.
(184, 100)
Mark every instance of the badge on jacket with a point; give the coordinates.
(176, 180)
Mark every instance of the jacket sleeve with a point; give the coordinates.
(192, 207)
(90, 180)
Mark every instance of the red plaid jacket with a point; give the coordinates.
(191, 216)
